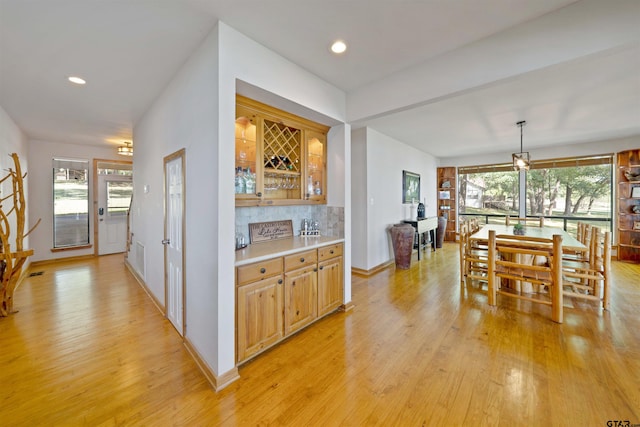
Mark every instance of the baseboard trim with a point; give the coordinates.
(218, 382)
(374, 270)
(60, 260)
(144, 286)
(347, 307)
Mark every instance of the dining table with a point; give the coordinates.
(569, 244)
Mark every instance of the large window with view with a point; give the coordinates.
(489, 192)
(563, 191)
(70, 203)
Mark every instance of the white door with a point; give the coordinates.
(173, 238)
(114, 196)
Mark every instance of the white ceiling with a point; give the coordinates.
(128, 50)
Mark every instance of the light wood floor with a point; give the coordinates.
(88, 347)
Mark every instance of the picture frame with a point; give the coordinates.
(444, 195)
(410, 187)
(635, 192)
(636, 225)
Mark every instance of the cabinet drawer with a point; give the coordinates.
(330, 251)
(300, 259)
(259, 270)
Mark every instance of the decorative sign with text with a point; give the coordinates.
(273, 230)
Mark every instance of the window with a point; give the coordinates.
(564, 191)
(571, 190)
(70, 203)
(490, 191)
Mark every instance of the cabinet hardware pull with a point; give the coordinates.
(322, 267)
(263, 270)
(279, 281)
(331, 251)
(301, 259)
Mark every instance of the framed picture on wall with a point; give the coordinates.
(635, 192)
(636, 225)
(410, 187)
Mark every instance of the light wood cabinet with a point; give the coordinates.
(300, 298)
(259, 306)
(628, 179)
(280, 158)
(279, 296)
(259, 316)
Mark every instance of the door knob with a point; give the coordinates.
(166, 242)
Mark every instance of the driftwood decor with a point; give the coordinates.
(12, 260)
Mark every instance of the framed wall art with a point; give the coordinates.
(635, 192)
(410, 187)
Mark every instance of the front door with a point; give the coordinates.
(114, 195)
(174, 227)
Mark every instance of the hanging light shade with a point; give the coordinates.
(521, 160)
(126, 150)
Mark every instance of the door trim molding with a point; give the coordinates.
(180, 154)
(94, 197)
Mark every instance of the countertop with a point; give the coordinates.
(275, 248)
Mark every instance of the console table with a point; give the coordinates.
(423, 225)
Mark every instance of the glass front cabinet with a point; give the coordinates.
(280, 158)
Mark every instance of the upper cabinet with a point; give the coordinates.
(280, 158)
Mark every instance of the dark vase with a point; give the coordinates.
(420, 210)
(402, 239)
(440, 232)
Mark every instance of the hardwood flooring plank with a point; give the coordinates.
(88, 347)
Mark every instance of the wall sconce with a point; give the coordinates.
(126, 150)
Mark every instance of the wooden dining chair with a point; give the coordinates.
(473, 258)
(510, 261)
(589, 279)
(533, 221)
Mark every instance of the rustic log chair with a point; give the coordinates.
(509, 258)
(473, 259)
(589, 279)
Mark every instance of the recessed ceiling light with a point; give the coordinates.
(338, 46)
(77, 80)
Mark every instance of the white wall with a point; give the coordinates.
(185, 116)
(40, 181)
(197, 111)
(13, 140)
(385, 159)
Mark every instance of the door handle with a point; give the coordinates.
(101, 211)
(166, 242)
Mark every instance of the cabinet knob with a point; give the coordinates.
(263, 270)
(301, 259)
(331, 251)
(279, 281)
(259, 194)
(322, 267)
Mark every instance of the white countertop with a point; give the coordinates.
(275, 248)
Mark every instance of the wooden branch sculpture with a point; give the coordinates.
(11, 262)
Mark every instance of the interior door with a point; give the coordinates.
(173, 240)
(114, 195)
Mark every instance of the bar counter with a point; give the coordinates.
(265, 250)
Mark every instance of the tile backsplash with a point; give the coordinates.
(331, 218)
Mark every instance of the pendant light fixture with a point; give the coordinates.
(126, 150)
(521, 160)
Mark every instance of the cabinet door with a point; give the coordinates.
(300, 298)
(259, 316)
(247, 151)
(330, 285)
(316, 176)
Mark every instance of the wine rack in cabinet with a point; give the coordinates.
(446, 194)
(280, 157)
(628, 181)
